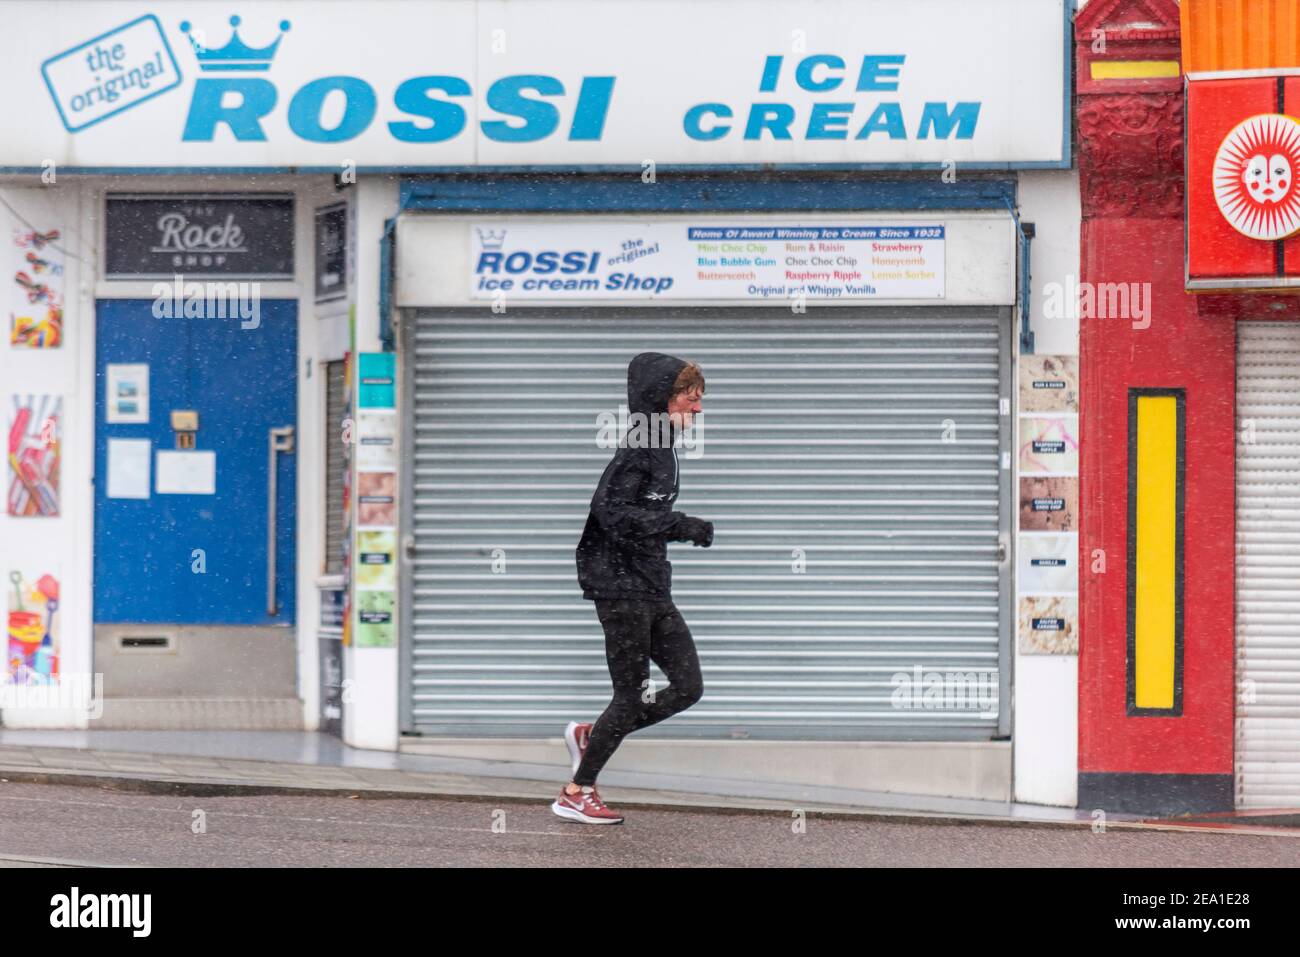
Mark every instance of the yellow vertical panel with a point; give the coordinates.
(1156, 537)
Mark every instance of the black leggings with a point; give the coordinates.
(637, 632)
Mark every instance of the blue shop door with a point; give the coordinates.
(195, 555)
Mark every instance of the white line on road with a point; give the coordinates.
(303, 820)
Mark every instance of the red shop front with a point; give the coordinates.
(1189, 670)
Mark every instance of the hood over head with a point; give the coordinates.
(650, 378)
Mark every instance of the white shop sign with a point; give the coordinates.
(337, 85)
(822, 260)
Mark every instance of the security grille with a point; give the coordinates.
(851, 461)
(1268, 565)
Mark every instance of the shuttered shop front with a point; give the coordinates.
(850, 459)
(1268, 565)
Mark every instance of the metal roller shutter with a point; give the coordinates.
(1268, 565)
(335, 464)
(824, 435)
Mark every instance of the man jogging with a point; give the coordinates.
(623, 567)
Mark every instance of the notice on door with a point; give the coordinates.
(186, 473)
(699, 261)
(128, 468)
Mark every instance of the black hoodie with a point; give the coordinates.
(624, 548)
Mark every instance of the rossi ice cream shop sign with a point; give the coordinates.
(464, 83)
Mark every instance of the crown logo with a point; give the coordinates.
(235, 55)
(491, 238)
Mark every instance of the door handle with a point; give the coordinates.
(278, 440)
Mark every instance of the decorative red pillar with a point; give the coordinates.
(1130, 127)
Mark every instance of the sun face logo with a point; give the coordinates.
(1254, 177)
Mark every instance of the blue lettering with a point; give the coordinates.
(691, 122)
(358, 109)
(592, 108)
(519, 262)
(938, 117)
(803, 74)
(771, 70)
(887, 118)
(256, 99)
(879, 73)
(574, 262)
(413, 97)
(773, 117)
(540, 118)
(826, 124)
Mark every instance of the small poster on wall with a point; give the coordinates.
(32, 625)
(376, 498)
(1049, 445)
(1049, 626)
(35, 281)
(1049, 504)
(33, 455)
(376, 564)
(1049, 383)
(375, 619)
(1048, 564)
(376, 441)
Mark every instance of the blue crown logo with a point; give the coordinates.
(235, 55)
(491, 238)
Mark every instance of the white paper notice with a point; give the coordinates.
(128, 468)
(186, 473)
(126, 393)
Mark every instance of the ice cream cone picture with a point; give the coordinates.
(33, 647)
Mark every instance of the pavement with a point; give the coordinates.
(232, 763)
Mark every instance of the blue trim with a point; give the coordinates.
(1067, 57)
(692, 168)
(386, 258)
(770, 192)
(1024, 292)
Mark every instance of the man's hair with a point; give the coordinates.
(691, 377)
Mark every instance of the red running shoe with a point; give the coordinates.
(576, 737)
(585, 807)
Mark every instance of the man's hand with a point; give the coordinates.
(696, 531)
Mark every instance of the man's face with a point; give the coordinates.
(684, 407)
